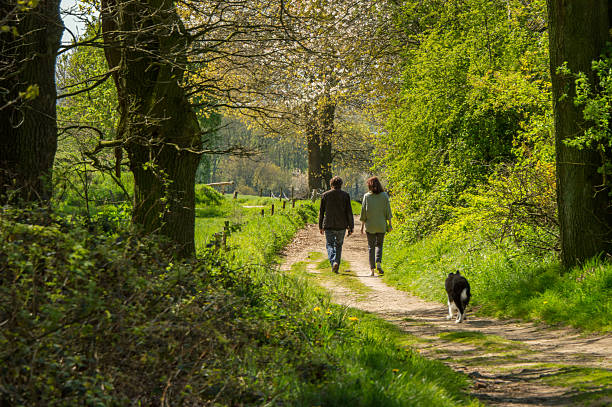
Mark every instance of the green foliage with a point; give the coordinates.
(262, 237)
(594, 94)
(277, 164)
(205, 195)
(95, 106)
(517, 203)
(99, 312)
(356, 207)
(475, 91)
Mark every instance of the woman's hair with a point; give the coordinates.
(374, 185)
(336, 182)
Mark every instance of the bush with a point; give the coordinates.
(205, 195)
(518, 203)
(70, 184)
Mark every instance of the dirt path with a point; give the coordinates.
(511, 363)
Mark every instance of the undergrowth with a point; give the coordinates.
(105, 317)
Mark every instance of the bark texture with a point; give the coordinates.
(578, 33)
(161, 134)
(28, 128)
(319, 133)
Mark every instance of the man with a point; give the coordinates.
(335, 217)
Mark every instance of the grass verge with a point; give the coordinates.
(505, 281)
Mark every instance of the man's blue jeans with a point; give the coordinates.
(333, 242)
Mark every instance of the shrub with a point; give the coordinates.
(109, 320)
(205, 195)
(518, 203)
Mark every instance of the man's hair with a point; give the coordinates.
(336, 182)
(374, 185)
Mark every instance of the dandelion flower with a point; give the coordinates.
(316, 309)
(395, 370)
(353, 319)
(328, 312)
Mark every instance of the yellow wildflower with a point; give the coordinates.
(353, 319)
(328, 312)
(316, 309)
(395, 370)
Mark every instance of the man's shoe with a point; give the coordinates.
(379, 268)
(372, 270)
(335, 268)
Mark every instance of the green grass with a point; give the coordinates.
(505, 281)
(581, 378)
(345, 277)
(356, 207)
(314, 256)
(210, 219)
(311, 352)
(590, 386)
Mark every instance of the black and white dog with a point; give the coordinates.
(458, 290)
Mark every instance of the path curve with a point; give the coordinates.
(507, 360)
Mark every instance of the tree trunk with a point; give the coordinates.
(28, 135)
(319, 133)
(162, 137)
(578, 33)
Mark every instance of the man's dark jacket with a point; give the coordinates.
(335, 212)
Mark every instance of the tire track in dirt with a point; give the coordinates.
(511, 363)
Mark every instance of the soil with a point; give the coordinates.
(510, 363)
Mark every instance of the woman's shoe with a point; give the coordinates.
(379, 268)
(372, 270)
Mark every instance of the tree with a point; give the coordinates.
(323, 55)
(146, 45)
(578, 33)
(29, 41)
(474, 84)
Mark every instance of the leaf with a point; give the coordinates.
(30, 93)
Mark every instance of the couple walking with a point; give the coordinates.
(336, 217)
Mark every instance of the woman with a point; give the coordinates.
(376, 217)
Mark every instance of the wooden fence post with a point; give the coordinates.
(292, 192)
(226, 232)
(272, 211)
(293, 203)
(284, 204)
(262, 212)
(280, 196)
